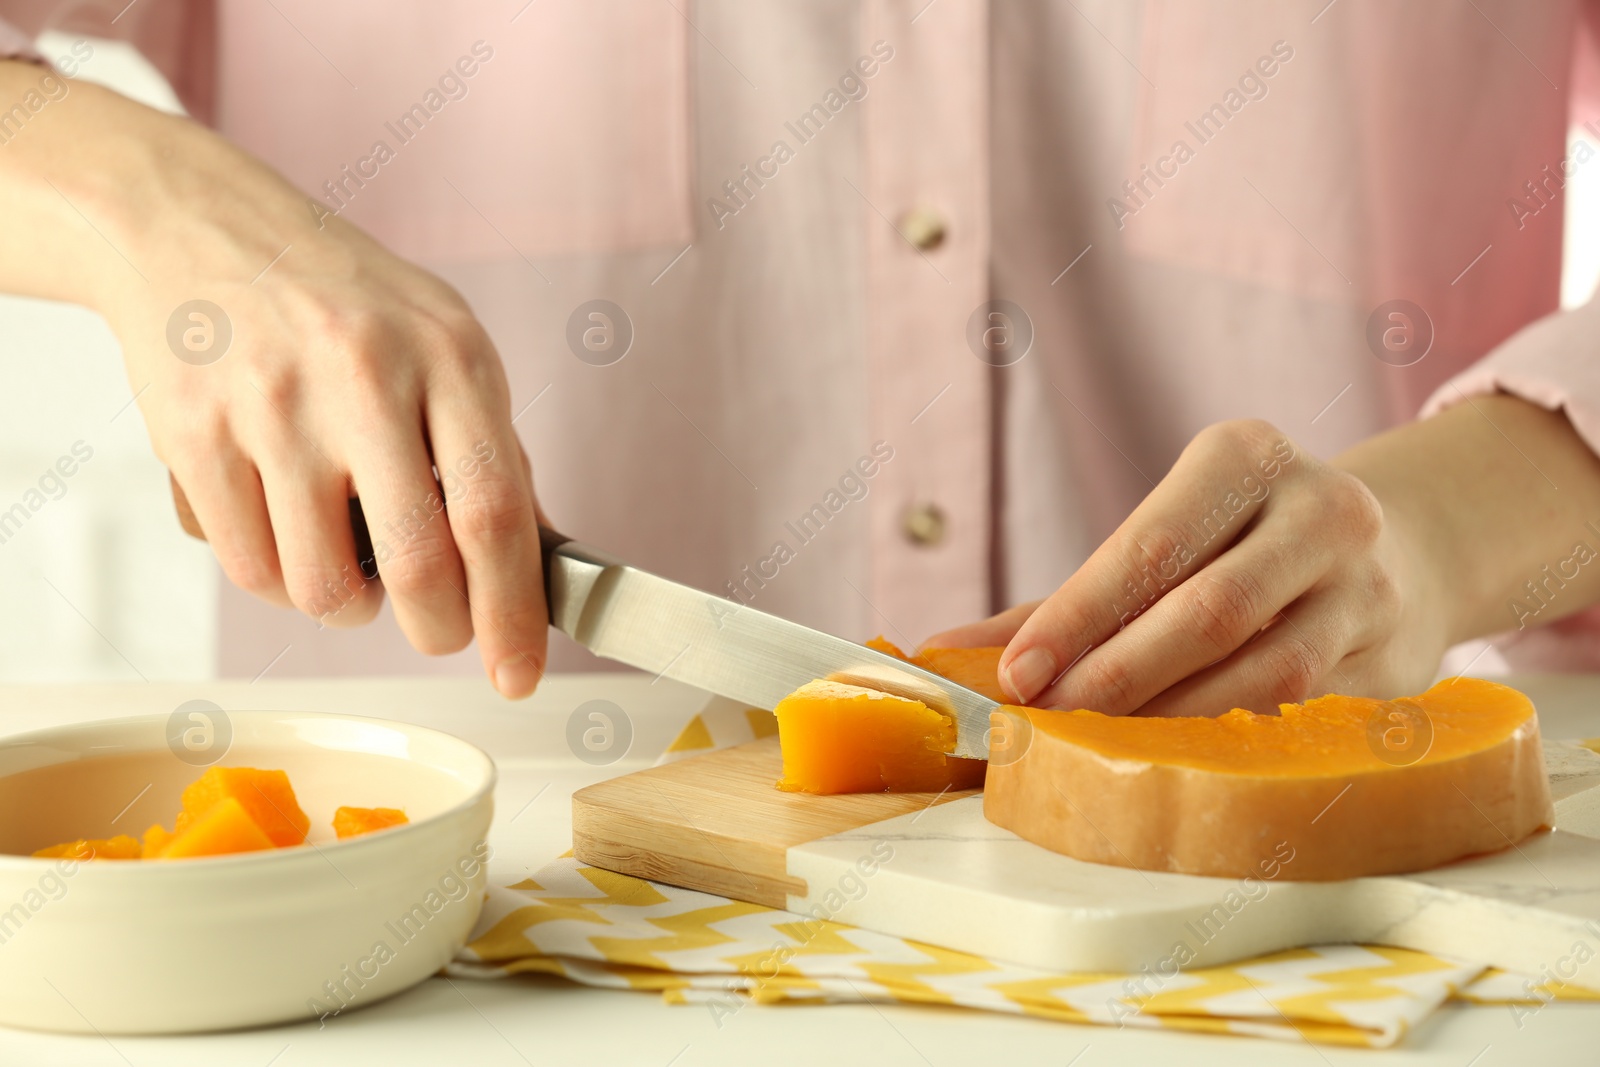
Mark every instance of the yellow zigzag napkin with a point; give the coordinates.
(614, 931)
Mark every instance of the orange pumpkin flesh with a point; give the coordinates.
(1316, 792)
(887, 647)
(266, 797)
(1310, 794)
(155, 840)
(228, 810)
(839, 738)
(978, 669)
(121, 847)
(1326, 736)
(353, 822)
(224, 828)
(975, 668)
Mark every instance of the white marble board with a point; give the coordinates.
(948, 877)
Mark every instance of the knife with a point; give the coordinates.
(674, 631)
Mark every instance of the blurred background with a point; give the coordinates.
(98, 582)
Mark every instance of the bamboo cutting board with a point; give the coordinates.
(717, 823)
(930, 868)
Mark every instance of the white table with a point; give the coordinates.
(547, 1021)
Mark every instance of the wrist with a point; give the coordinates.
(1421, 551)
(1493, 499)
(1437, 606)
(122, 203)
(62, 169)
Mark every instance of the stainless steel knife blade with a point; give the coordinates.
(623, 613)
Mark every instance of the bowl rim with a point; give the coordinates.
(491, 776)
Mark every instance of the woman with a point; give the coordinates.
(1009, 259)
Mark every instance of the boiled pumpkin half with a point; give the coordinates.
(1338, 787)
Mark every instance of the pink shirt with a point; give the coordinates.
(1199, 209)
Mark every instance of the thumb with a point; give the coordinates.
(1037, 653)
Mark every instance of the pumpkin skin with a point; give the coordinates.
(353, 822)
(1315, 792)
(1310, 794)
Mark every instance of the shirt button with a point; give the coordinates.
(923, 227)
(924, 525)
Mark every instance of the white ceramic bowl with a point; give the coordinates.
(228, 941)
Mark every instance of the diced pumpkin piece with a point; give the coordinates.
(155, 839)
(225, 828)
(839, 738)
(121, 847)
(1338, 787)
(353, 822)
(227, 810)
(266, 797)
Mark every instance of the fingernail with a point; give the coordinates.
(516, 677)
(1028, 674)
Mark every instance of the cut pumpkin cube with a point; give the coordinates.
(266, 797)
(839, 738)
(155, 839)
(228, 810)
(225, 828)
(121, 847)
(353, 822)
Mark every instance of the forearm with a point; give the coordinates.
(1490, 496)
(102, 190)
(47, 251)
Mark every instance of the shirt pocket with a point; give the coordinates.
(1240, 160)
(471, 131)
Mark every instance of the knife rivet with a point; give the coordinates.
(924, 524)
